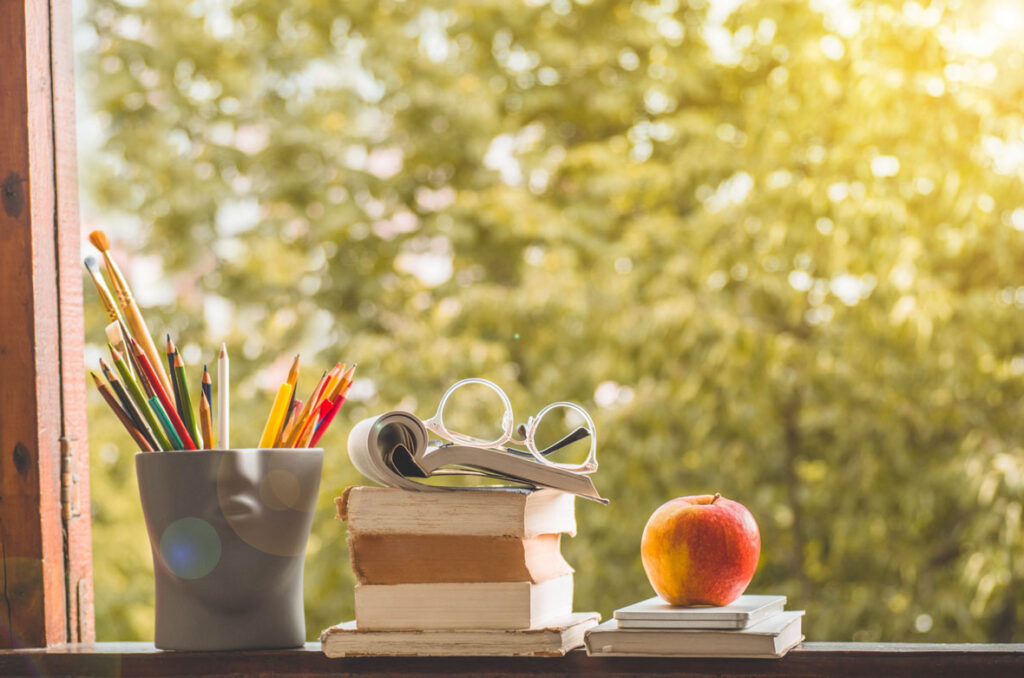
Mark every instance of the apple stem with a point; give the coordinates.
(717, 496)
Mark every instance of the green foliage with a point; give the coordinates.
(790, 275)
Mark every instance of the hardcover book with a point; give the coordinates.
(514, 605)
(444, 558)
(490, 512)
(550, 640)
(771, 638)
(655, 613)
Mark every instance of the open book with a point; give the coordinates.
(392, 449)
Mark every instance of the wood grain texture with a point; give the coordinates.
(811, 660)
(78, 524)
(38, 245)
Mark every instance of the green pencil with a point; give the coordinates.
(176, 443)
(140, 399)
(186, 400)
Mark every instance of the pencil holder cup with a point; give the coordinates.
(228, 531)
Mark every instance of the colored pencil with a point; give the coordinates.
(171, 352)
(333, 401)
(191, 422)
(304, 413)
(121, 414)
(223, 399)
(122, 396)
(345, 383)
(206, 421)
(161, 393)
(132, 314)
(293, 377)
(127, 403)
(307, 434)
(289, 423)
(207, 388)
(276, 417)
(117, 336)
(165, 421)
(328, 418)
(141, 401)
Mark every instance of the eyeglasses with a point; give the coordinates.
(558, 415)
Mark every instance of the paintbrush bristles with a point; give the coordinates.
(99, 240)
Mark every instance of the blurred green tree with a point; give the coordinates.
(774, 247)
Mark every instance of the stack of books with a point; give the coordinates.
(750, 626)
(471, 572)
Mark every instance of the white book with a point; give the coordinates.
(655, 613)
(504, 605)
(552, 640)
(773, 637)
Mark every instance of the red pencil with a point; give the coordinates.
(326, 419)
(161, 394)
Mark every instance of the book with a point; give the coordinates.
(772, 637)
(510, 512)
(655, 613)
(554, 639)
(444, 558)
(506, 605)
(392, 449)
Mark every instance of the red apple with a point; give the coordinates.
(700, 550)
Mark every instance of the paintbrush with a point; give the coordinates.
(132, 314)
(102, 290)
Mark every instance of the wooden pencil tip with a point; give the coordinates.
(178, 362)
(99, 240)
(95, 379)
(223, 350)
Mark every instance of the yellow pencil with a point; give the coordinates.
(293, 376)
(206, 422)
(276, 417)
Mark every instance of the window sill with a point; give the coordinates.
(810, 660)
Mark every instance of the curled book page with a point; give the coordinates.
(392, 450)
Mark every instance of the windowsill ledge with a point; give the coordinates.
(810, 660)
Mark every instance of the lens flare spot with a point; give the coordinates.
(280, 489)
(190, 548)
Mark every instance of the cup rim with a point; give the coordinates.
(244, 450)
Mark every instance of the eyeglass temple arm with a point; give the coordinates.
(579, 434)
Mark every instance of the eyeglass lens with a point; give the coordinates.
(563, 436)
(475, 410)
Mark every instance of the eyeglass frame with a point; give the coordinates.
(528, 432)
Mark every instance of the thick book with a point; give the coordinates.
(393, 449)
(515, 605)
(655, 613)
(551, 640)
(448, 558)
(509, 512)
(773, 637)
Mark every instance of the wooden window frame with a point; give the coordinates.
(45, 537)
(46, 594)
